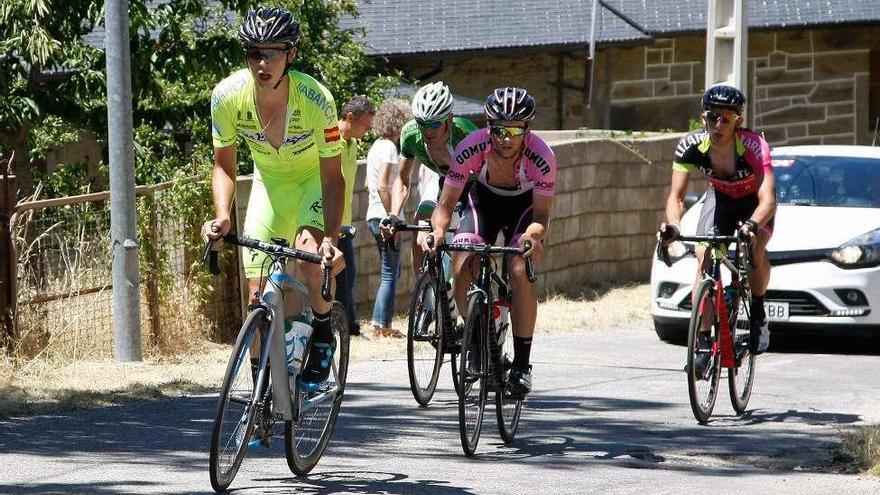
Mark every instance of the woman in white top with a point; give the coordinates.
(382, 164)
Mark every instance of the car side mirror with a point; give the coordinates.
(690, 199)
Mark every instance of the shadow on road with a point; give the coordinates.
(790, 341)
(562, 429)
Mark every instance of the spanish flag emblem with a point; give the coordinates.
(331, 134)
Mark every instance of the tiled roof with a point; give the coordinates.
(400, 27)
(406, 26)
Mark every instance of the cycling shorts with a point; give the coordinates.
(487, 214)
(721, 213)
(280, 209)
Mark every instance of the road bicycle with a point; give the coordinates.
(251, 402)
(486, 349)
(431, 331)
(720, 323)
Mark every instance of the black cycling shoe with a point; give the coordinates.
(519, 383)
(317, 368)
(473, 367)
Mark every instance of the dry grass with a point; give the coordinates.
(44, 387)
(861, 446)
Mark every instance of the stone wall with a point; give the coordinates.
(805, 86)
(477, 75)
(611, 194)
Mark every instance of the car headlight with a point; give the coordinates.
(861, 252)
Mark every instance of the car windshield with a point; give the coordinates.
(828, 181)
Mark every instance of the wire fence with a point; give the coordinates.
(64, 282)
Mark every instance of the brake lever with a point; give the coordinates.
(210, 257)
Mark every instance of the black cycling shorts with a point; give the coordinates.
(721, 213)
(488, 213)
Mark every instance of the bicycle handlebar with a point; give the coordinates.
(210, 256)
(663, 252)
(488, 249)
(402, 226)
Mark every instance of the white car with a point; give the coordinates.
(825, 249)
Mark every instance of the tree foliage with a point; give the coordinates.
(52, 76)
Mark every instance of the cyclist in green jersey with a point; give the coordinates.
(430, 138)
(288, 120)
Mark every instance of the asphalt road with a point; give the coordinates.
(609, 414)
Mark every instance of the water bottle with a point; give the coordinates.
(730, 293)
(501, 314)
(296, 337)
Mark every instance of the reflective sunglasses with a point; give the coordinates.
(267, 54)
(713, 117)
(430, 124)
(502, 131)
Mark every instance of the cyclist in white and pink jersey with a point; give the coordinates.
(742, 189)
(515, 180)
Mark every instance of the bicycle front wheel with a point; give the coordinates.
(473, 369)
(424, 340)
(741, 378)
(315, 413)
(237, 406)
(704, 359)
(507, 410)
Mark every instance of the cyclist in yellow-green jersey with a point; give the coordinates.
(288, 120)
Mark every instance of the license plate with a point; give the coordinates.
(775, 311)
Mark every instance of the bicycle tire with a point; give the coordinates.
(424, 340)
(307, 436)
(223, 465)
(741, 379)
(472, 399)
(703, 389)
(507, 411)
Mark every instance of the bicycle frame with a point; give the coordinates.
(270, 300)
(434, 266)
(739, 278)
(272, 349)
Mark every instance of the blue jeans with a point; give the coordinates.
(345, 284)
(383, 310)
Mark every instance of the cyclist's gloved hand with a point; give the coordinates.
(537, 246)
(386, 226)
(749, 230)
(331, 254)
(214, 230)
(435, 237)
(668, 232)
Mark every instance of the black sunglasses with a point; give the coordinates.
(713, 117)
(267, 54)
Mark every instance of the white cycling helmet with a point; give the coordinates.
(432, 102)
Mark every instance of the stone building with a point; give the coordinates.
(813, 75)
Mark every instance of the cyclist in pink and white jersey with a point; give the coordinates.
(741, 189)
(513, 192)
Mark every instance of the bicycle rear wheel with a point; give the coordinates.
(424, 340)
(473, 379)
(741, 378)
(507, 410)
(237, 408)
(704, 359)
(315, 413)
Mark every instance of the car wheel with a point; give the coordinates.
(674, 334)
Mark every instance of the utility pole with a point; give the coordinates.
(727, 44)
(123, 222)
